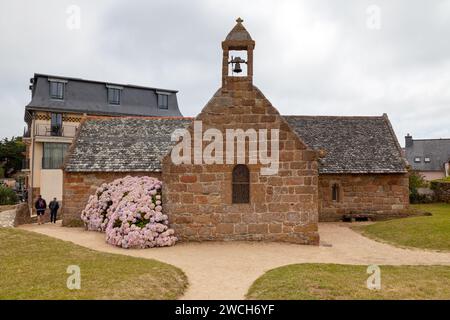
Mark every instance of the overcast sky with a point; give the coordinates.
(311, 57)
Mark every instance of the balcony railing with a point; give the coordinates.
(56, 131)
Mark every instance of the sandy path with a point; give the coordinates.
(7, 218)
(225, 270)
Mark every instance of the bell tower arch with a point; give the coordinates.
(237, 49)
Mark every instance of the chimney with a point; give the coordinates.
(408, 141)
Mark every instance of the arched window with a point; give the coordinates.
(241, 184)
(335, 192)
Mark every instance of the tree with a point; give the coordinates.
(7, 196)
(416, 181)
(11, 155)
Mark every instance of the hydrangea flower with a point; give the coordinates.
(130, 211)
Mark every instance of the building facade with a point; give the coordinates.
(328, 167)
(58, 105)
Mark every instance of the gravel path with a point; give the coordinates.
(225, 270)
(7, 218)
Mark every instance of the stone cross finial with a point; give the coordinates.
(239, 20)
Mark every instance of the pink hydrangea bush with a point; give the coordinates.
(129, 210)
(99, 207)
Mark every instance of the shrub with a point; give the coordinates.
(7, 196)
(129, 210)
(443, 180)
(417, 181)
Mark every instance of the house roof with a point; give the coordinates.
(437, 150)
(352, 144)
(122, 144)
(90, 97)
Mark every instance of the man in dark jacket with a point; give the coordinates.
(40, 206)
(53, 206)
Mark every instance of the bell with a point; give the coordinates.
(237, 68)
(236, 61)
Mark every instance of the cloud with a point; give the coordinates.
(311, 57)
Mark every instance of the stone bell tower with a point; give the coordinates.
(237, 44)
(233, 197)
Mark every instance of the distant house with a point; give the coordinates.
(429, 157)
(57, 107)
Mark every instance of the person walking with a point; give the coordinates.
(53, 206)
(40, 206)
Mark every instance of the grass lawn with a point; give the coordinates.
(428, 232)
(33, 266)
(334, 281)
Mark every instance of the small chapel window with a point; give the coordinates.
(335, 192)
(241, 184)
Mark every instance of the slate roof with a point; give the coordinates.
(90, 97)
(122, 144)
(352, 144)
(438, 150)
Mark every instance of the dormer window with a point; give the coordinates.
(57, 89)
(163, 100)
(114, 94)
(427, 160)
(417, 159)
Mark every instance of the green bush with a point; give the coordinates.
(443, 180)
(434, 185)
(439, 183)
(7, 196)
(417, 181)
